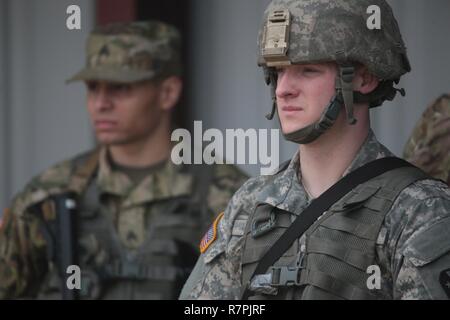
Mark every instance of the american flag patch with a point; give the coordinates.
(210, 235)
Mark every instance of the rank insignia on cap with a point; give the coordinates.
(210, 235)
(444, 279)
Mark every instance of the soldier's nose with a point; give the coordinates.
(103, 99)
(285, 86)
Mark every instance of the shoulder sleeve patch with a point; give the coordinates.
(210, 235)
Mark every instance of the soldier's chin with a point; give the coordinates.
(291, 128)
(110, 140)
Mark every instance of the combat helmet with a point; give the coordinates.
(317, 31)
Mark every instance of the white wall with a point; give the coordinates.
(227, 80)
(43, 120)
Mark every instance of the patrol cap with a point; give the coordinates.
(132, 52)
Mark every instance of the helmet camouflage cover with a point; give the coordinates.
(318, 31)
(322, 30)
(131, 52)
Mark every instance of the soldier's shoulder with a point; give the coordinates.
(229, 172)
(423, 237)
(423, 200)
(419, 208)
(225, 181)
(426, 189)
(50, 181)
(59, 174)
(246, 198)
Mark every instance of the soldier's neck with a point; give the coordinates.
(143, 153)
(323, 162)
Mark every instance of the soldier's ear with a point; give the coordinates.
(170, 92)
(365, 82)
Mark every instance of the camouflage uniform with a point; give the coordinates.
(413, 243)
(397, 222)
(135, 240)
(429, 144)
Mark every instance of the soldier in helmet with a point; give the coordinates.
(429, 144)
(123, 213)
(344, 219)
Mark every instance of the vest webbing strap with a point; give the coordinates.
(353, 257)
(338, 287)
(319, 206)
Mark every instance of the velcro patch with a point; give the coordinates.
(210, 235)
(444, 279)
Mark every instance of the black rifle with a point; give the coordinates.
(65, 208)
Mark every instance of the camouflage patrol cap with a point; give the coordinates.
(321, 31)
(131, 52)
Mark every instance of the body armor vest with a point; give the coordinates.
(339, 247)
(157, 269)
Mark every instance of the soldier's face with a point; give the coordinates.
(123, 113)
(303, 92)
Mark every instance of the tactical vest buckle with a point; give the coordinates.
(285, 276)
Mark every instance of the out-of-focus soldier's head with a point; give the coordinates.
(429, 144)
(133, 79)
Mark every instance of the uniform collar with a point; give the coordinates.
(287, 192)
(169, 182)
(284, 184)
(370, 150)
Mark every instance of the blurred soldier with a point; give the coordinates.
(429, 144)
(124, 213)
(344, 219)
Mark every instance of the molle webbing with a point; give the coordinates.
(340, 245)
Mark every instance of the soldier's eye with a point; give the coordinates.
(120, 88)
(310, 70)
(92, 86)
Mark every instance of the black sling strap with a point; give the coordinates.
(320, 205)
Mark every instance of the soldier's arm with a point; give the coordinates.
(216, 275)
(22, 253)
(424, 253)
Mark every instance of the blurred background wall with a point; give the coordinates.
(43, 120)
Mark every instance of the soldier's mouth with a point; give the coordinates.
(105, 124)
(291, 109)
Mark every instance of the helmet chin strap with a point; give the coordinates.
(313, 131)
(342, 98)
(271, 79)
